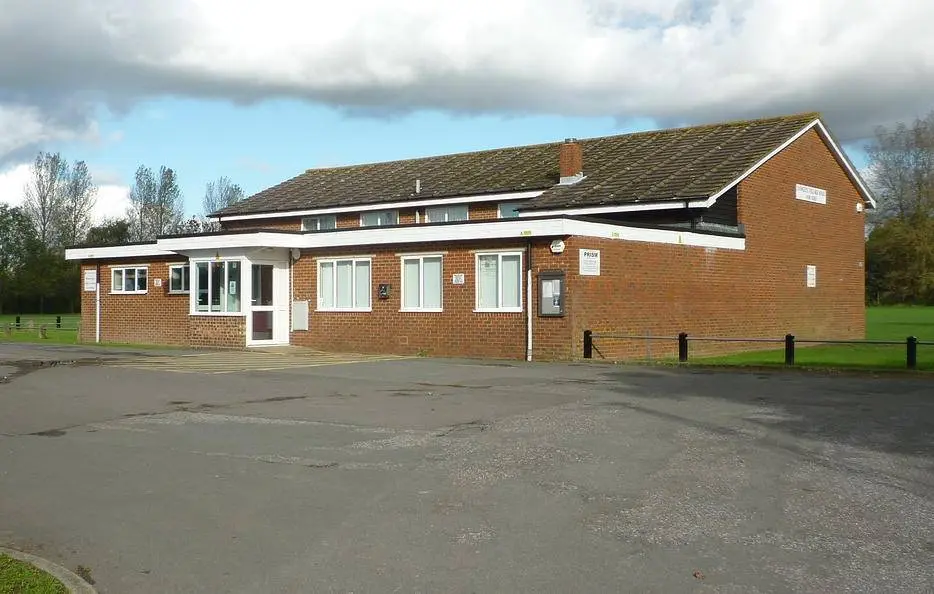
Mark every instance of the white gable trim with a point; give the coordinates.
(825, 135)
(502, 197)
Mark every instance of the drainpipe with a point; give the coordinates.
(528, 301)
(97, 306)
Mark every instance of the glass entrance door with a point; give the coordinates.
(262, 302)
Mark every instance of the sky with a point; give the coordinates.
(261, 91)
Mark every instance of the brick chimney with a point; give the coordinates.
(571, 162)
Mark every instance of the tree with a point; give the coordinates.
(155, 204)
(17, 240)
(45, 195)
(900, 248)
(219, 194)
(109, 232)
(901, 169)
(80, 194)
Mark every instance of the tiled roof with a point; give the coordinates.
(675, 164)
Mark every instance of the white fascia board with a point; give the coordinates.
(635, 207)
(234, 240)
(668, 236)
(504, 197)
(496, 229)
(146, 250)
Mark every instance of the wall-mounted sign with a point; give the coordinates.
(557, 246)
(589, 263)
(383, 291)
(809, 194)
(811, 276)
(90, 280)
(157, 282)
(457, 279)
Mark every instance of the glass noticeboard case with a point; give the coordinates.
(551, 293)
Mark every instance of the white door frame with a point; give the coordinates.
(279, 307)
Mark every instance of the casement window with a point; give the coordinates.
(129, 280)
(446, 214)
(499, 281)
(344, 284)
(421, 283)
(509, 210)
(322, 223)
(179, 278)
(218, 287)
(379, 218)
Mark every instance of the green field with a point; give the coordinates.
(17, 577)
(29, 328)
(882, 323)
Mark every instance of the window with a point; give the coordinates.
(509, 210)
(499, 281)
(421, 283)
(179, 278)
(344, 284)
(217, 284)
(323, 223)
(446, 214)
(129, 280)
(379, 218)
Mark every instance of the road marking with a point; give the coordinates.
(239, 362)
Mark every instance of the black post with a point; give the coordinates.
(588, 344)
(683, 347)
(58, 321)
(17, 322)
(912, 352)
(789, 349)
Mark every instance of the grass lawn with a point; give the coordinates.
(67, 334)
(882, 323)
(17, 577)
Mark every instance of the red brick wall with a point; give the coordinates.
(155, 317)
(217, 331)
(279, 224)
(457, 331)
(760, 292)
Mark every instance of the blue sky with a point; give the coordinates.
(260, 91)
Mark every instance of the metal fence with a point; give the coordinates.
(789, 341)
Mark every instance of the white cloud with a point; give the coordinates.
(861, 62)
(112, 199)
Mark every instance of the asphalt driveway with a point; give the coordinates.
(461, 476)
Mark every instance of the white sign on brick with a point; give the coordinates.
(589, 263)
(811, 276)
(90, 280)
(458, 279)
(809, 194)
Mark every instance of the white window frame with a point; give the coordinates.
(447, 211)
(317, 220)
(123, 269)
(395, 214)
(499, 272)
(421, 282)
(193, 282)
(353, 284)
(511, 205)
(186, 279)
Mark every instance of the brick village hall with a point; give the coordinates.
(751, 228)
